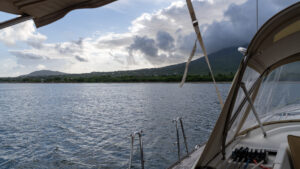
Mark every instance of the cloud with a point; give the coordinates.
(80, 59)
(27, 55)
(41, 67)
(160, 38)
(23, 32)
(145, 45)
(9, 67)
(239, 25)
(114, 40)
(164, 40)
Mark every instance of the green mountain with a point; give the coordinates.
(224, 64)
(44, 73)
(225, 61)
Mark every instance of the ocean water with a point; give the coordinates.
(89, 125)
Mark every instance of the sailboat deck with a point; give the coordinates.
(188, 161)
(275, 143)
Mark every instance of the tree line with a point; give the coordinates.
(124, 78)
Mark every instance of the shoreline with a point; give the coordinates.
(223, 82)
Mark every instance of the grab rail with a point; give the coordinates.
(141, 148)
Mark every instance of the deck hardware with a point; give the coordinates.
(177, 138)
(253, 108)
(176, 121)
(132, 136)
(183, 134)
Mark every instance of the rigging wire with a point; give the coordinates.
(199, 37)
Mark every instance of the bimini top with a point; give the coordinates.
(44, 12)
(278, 39)
(277, 43)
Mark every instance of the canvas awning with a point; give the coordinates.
(276, 43)
(278, 39)
(44, 12)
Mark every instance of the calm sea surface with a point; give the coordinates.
(88, 125)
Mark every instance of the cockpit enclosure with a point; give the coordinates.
(270, 71)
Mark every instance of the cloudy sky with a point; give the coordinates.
(129, 34)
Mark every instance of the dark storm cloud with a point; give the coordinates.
(164, 40)
(145, 45)
(80, 59)
(241, 26)
(238, 27)
(185, 43)
(148, 47)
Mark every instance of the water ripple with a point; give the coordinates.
(88, 125)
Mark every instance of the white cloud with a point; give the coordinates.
(23, 32)
(154, 39)
(41, 67)
(9, 67)
(123, 5)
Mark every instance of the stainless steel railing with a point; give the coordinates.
(139, 133)
(176, 121)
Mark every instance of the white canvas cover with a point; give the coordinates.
(47, 11)
(275, 44)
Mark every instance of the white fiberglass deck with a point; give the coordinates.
(276, 142)
(188, 161)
